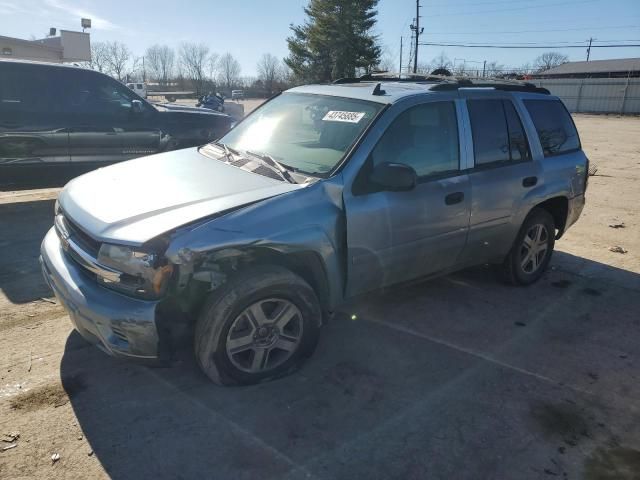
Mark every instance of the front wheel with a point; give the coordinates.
(261, 325)
(532, 249)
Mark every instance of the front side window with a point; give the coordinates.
(556, 130)
(424, 137)
(89, 93)
(311, 133)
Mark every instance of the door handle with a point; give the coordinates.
(529, 181)
(454, 198)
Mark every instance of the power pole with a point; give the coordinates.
(400, 70)
(589, 49)
(417, 32)
(484, 67)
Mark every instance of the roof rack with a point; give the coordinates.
(444, 83)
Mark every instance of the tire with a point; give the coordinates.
(522, 266)
(262, 324)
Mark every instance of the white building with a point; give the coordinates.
(67, 47)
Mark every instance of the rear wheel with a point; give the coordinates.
(261, 325)
(532, 249)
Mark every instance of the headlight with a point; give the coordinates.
(143, 273)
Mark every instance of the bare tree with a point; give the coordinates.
(117, 57)
(228, 70)
(493, 69)
(160, 60)
(213, 65)
(441, 61)
(268, 71)
(193, 58)
(98, 57)
(549, 60)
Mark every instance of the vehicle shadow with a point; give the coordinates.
(394, 390)
(23, 225)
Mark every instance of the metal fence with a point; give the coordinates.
(596, 95)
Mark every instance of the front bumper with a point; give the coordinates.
(120, 325)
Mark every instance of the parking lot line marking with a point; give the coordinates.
(624, 403)
(467, 351)
(237, 428)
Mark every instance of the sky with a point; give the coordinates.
(249, 28)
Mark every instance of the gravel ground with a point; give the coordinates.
(459, 377)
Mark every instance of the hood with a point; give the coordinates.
(135, 201)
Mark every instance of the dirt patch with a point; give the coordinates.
(613, 464)
(50, 395)
(566, 421)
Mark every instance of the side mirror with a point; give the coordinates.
(136, 106)
(395, 177)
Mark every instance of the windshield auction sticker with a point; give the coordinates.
(349, 117)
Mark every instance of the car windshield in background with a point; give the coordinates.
(310, 133)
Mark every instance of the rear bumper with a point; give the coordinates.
(576, 205)
(120, 325)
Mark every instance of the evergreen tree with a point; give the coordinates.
(335, 41)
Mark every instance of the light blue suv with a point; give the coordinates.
(323, 193)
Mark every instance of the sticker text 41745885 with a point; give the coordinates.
(338, 116)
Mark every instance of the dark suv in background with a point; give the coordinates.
(59, 115)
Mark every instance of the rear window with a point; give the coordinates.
(554, 125)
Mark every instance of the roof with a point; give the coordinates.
(595, 66)
(364, 90)
(40, 62)
(388, 91)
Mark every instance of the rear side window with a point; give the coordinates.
(25, 92)
(498, 136)
(554, 125)
(490, 134)
(518, 144)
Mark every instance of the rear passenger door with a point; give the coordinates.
(502, 175)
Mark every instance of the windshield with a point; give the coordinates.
(310, 133)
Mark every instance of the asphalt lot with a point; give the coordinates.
(460, 377)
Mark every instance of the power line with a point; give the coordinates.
(538, 7)
(466, 45)
(490, 32)
(558, 43)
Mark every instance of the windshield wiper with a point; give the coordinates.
(228, 152)
(276, 165)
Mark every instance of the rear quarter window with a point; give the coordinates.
(554, 126)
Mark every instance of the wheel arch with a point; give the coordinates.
(558, 208)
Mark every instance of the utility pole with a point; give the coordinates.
(417, 31)
(589, 49)
(484, 67)
(400, 70)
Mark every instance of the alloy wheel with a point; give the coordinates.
(264, 335)
(534, 248)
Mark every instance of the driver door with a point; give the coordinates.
(395, 236)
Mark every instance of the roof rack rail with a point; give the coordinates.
(444, 83)
(509, 87)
